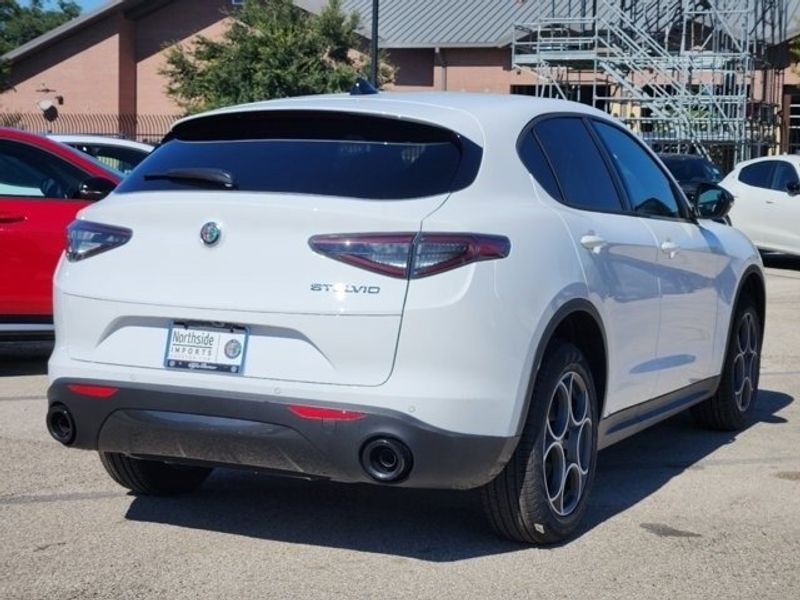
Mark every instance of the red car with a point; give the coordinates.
(43, 184)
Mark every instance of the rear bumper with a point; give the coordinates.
(236, 429)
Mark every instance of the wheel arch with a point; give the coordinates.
(579, 322)
(752, 285)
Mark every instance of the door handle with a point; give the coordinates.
(593, 242)
(8, 218)
(670, 248)
(770, 201)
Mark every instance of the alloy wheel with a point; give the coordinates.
(745, 362)
(567, 444)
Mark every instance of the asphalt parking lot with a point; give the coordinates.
(677, 512)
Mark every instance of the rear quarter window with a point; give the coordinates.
(320, 153)
(532, 156)
(580, 169)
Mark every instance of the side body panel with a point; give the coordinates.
(737, 256)
(782, 214)
(32, 229)
(624, 285)
(32, 233)
(688, 268)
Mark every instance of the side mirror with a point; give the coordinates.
(712, 202)
(94, 189)
(793, 188)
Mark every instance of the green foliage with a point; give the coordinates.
(20, 24)
(272, 49)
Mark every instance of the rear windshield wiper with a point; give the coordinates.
(203, 177)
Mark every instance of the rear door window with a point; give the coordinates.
(758, 174)
(305, 152)
(580, 169)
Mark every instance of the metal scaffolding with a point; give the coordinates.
(687, 75)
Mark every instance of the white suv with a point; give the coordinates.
(426, 290)
(767, 206)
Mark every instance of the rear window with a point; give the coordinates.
(691, 170)
(321, 153)
(117, 157)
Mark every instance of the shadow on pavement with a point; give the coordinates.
(781, 261)
(436, 526)
(638, 466)
(24, 358)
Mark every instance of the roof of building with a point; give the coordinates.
(486, 23)
(448, 23)
(132, 8)
(403, 23)
(70, 27)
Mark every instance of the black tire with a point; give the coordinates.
(152, 477)
(517, 502)
(732, 407)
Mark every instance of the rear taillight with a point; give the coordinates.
(410, 255)
(438, 252)
(85, 239)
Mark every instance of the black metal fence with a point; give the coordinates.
(144, 128)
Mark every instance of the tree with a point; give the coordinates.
(272, 49)
(20, 24)
(794, 48)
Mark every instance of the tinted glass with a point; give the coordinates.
(30, 172)
(648, 187)
(332, 154)
(535, 161)
(691, 170)
(119, 158)
(578, 165)
(785, 175)
(758, 174)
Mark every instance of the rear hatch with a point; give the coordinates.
(265, 184)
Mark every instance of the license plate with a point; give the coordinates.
(209, 348)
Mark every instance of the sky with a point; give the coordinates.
(87, 5)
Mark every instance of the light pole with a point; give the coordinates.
(374, 46)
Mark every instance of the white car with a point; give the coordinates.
(767, 201)
(427, 290)
(117, 153)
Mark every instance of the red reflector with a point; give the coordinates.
(95, 391)
(333, 414)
